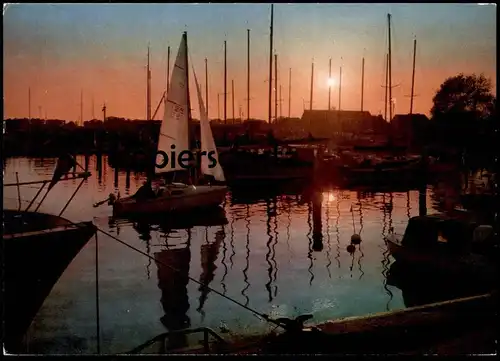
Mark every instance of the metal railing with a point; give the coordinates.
(162, 338)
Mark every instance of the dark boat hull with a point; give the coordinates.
(33, 262)
(458, 268)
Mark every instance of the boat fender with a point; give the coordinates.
(351, 248)
(355, 239)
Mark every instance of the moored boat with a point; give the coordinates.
(174, 134)
(445, 247)
(37, 248)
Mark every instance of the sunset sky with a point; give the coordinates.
(57, 50)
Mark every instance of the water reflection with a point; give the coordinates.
(209, 253)
(247, 257)
(246, 254)
(386, 226)
(310, 247)
(270, 212)
(317, 232)
(173, 286)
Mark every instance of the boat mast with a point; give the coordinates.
(386, 84)
(329, 83)
(225, 82)
(275, 88)
(312, 85)
(187, 85)
(232, 95)
(281, 102)
(248, 74)
(148, 90)
(206, 86)
(389, 65)
(81, 108)
(271, 64)
(362, 81)
(340, 85)
(168, 68)
(104, 112)
(413, 76)
(29, 104)
(289, 91)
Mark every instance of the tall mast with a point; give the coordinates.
(275, 88)
(232, 94)
(190, 138)
(225, 82)
(148, 91)
(289, 91)
(413, 76)
(329, 83)
(168, 68)
(81, 107)
(104, 112)
(340, 85)
(386, 83)
(390, 69)
(29, 103)
(248, 74)
(218, 106)
(281, 102)
(271, 64)
(362, 81)
(312, 87)
(206, 86)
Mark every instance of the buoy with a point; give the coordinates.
(355, 239)
(351, 248)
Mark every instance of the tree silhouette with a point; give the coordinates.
(467, 95)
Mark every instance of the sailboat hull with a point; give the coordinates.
(38, 248)
(176, 199)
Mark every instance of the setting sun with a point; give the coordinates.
(330, 82)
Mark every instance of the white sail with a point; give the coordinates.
(207, 142)
(174, 130)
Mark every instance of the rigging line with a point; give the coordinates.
(261, 315)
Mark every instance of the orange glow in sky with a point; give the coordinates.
(59, 50)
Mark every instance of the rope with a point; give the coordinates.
(261, 315)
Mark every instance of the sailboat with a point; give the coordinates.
(174, 134)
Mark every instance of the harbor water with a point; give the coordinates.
(281, 254)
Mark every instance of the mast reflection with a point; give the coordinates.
(329, 249)
(247, 257)
(173, 286)
(144, 230)
(273, 259)
(209, 253)
(337, 230)
(269, 255)
(310, 246)
(99, 168)
(361, 254)
(317, 232)
(386, 225)
(127, 181)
